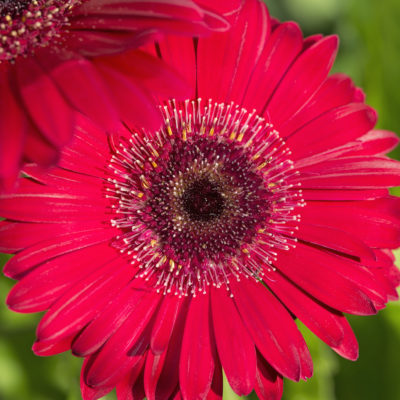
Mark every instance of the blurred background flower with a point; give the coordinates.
(370, 54)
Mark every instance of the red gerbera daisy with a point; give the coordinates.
(42, 68)
(165, 256)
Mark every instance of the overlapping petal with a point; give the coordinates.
(41, 93)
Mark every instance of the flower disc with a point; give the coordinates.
(205, 198)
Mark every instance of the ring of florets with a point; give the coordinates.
(205, 199)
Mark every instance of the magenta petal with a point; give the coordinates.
(164, 323)
(13, 126)
(376, 142)
(281, 49)
(52, 114)
(66, 317)
(374, 221)
(131, 386)
(334, 239)
(236, 352)
(83, 85)
(162, 386)
(51, 347)
(196, 368)
(89, 393)
(272, 328)
(329, 325)
(314, 271)
(269, 384)
(351, 172)
(239, 50)
(115, 358)
(340, 125)
(303, 78)
(47, 249)
(28, 296)
(113, 315)
(337, 90)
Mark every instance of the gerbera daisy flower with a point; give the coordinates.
(43, 70)
(166, 256)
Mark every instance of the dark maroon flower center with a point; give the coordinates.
(13, 7)
(202, 201)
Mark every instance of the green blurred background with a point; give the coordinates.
(369, 33)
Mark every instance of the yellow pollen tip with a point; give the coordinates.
(262, 165)
(169, 130)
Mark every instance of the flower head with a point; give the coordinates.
(164, 256)
(44, 67)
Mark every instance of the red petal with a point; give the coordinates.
(339, 126)
(80, 83)
(282, 47)
(340, 194)
(131, 387)
(79, 305)
(125, 347)
(166, 382)
(110, 319)
(35, 203)
(329, 325)
(15, 236)
(269, 384)
(334, 239)
(376, 142)
(315, 272)
(13, 126)
(89, 393)
(351, 172)
(196, 366)
(272, 328)
(375, 222)
(238, 50)
(44, 103)
(302, 80)
(337, 90)
(46, 283)
(164, 323)
(48, 249)
(236, 352)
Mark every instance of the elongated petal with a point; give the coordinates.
(196, 368)
(237, 352)
(272, 329)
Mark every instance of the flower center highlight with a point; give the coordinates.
(26, 25)
(205, 199)
(202, 201)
